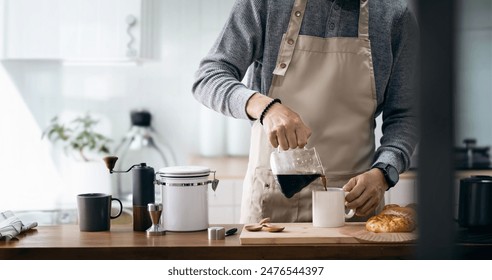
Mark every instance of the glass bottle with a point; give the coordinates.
(140, 144)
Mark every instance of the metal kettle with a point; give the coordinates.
(475, 202)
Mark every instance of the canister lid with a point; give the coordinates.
(184, 171)
(477, 179)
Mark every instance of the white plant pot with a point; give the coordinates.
(83, 177)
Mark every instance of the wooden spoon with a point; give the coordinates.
(273, 228)
(253, 227)
(264, 221)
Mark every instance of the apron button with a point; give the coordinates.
(283, 65)
(290, 42)
(298, 14)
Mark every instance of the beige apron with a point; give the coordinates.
(330, 83)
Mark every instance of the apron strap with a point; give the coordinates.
(364, 19)
(289, 39)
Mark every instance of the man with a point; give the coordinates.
(321, 71)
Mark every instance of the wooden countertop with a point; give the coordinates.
(67, 242)
(412, 174)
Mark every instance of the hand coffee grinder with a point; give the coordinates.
(143, 191)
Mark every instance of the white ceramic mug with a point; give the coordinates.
(329, 208)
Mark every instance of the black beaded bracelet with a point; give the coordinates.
(276, 100)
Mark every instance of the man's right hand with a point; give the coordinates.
(283, 126)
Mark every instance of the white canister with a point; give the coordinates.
(185, 197)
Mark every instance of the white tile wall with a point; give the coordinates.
(405, 192)
(225, 202)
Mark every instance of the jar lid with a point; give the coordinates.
(184, 171)
(140, 117)
(477, 179)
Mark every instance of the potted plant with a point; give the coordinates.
(78, 137)
(82, 168)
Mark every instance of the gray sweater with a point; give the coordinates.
(251, 38)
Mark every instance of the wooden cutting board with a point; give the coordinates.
(302, 233)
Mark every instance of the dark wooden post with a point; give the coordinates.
(435, 165)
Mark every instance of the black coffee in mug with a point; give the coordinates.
(95, 211)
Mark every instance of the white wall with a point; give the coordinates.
(474, 72)
(186, 30)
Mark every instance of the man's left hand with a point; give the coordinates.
(365, 191)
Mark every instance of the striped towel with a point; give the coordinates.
(11, 226)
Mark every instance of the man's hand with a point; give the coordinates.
(365, 191)
(283, 126)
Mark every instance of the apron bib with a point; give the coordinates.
(330, 83)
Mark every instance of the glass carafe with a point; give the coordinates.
(295, 169)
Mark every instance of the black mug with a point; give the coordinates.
(95, 211)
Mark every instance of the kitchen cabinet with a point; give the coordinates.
(30, 29)
(105, 29)
(86, 30)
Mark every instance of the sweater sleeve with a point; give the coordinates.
(400, 111)
(217, 82)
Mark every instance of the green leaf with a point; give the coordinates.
(104, 149)
(77, 135)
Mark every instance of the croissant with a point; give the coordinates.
(393, 218)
